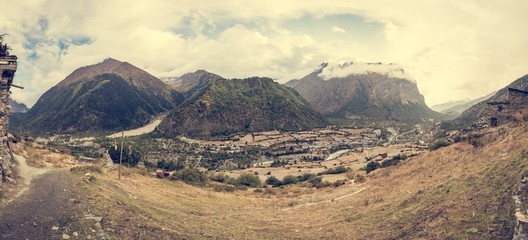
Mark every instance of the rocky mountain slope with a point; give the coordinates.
(359, 91)
(477, 112)
(17, 107)
(111, 95)
(226, 106)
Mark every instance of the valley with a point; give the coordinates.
(340, 153)
(460, 191)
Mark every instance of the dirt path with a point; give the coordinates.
(46, 203)
(28, 173)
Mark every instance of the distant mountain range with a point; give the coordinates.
(364, 92)
(477, 112)
(111, 95)
(455, 109)
(218, 106)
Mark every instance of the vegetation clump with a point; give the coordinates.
(336, 170)
(190, 176)
(439, 143)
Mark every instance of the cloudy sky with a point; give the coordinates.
(454, 49)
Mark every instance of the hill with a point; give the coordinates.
(111, 95)
(364, 91)
(227, 106)
(477, 112)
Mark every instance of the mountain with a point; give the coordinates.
(477, 112)
(364, 91)
(454, 109)
(111, 95)
(222, 107)
(17, 107)
(186, 83)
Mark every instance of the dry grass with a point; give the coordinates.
(39, 157)
(437, 195)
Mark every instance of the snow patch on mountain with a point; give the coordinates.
(340, 70)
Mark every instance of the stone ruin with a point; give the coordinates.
(8, 67)
(501, 112)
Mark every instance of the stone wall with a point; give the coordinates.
(8, 67)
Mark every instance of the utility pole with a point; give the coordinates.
(121, 155)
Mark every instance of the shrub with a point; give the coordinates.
(190, 176)
(248, 179)
(273, 181)
(475, 140)
(289, 179)
(316, 182)
(306, 176)
(371, 166)
(219, 177)
(223, 188)
(350, 174)
(170, 165)
(359, 178)
(149, 165)
(337, 170)
(438, 143)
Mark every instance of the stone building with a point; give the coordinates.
(501, 112)
(8, 67)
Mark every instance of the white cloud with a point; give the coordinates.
(333, 70)
(453, 49)
(338, 29)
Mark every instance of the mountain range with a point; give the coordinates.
(364, 92)
(454, 109)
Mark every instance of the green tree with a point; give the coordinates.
(248, 179)
(289, 179)
(273, 181)
(131, 157)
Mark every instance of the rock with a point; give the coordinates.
(10, 180)
(34, 224)
(75, 234)
(65, 236)
(92, 217)
(54, 228)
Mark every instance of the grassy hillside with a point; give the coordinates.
(462, 191)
